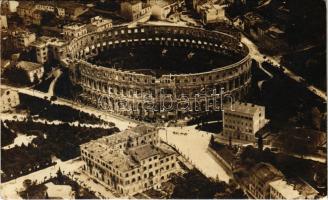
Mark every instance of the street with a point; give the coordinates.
(193, 144)
(259, 57)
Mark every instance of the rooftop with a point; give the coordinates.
(28, 66)
(99, 20)
(265, 172)
(124, 159)
(243, 107)
(285, 189)
(45, 40)
(75, 26)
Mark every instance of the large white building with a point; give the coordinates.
(130, 161)
(242, 121)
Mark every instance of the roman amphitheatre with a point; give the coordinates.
(121, 65)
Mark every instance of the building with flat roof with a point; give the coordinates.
(130, 161)
(22, 39)
(99, 24)
(135, 10)
(48, 48)
(161, 9)
(74, 30)
(33, 70)
(267, 182)
(242, 121)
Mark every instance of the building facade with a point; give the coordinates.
(9, 99)
(162, 9)
(112, 87)
(99, 24)
(135, 10)
(32, 70)
(242, 121)
(130, 161)
(267, 182)
(22, 39)
(48, 48)
(74, 30)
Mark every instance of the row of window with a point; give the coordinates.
(237, 116)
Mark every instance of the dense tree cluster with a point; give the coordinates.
(49, 111)
(61, 141)
(7, 136)
(194, 185)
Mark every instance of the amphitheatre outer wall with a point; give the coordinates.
(168, 96)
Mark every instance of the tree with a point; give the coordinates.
(260, 142)
(27, 183)
(36, 78)
(212, 140)
(59, 176)
(315, 118)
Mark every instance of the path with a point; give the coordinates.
(259, 57)
(194, 146)
(121, 122)
(10, 189)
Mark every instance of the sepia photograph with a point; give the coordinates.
(163, 99)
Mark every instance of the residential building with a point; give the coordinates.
(242, 121)
(25, 10)
(130, 161)
(9, 99)
(48, 48)
(259, 178)
(22, 39)
(135, 10)
(161, 9)
(3, 22)
(50, 6)
(29, 13)
(267, 182)
(99, 24)
(33, 70)
(72, 31)
(72, 9)
(212, 13)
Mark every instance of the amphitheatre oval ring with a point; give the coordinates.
(125, 91)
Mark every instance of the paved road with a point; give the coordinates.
(259, 57)
(10, 189)
(57, 73)
(120, 122)
(193, 144)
